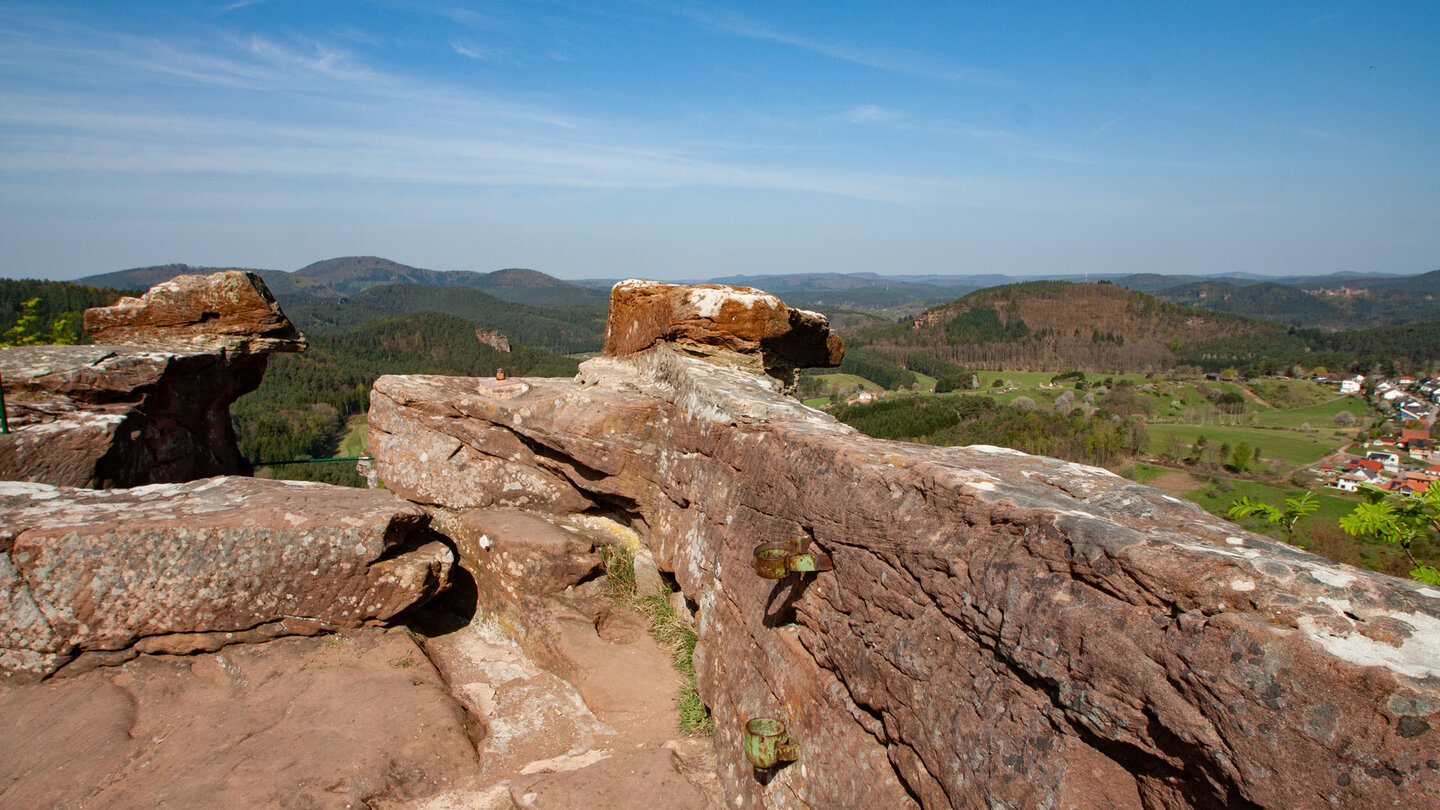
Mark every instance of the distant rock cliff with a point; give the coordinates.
(149, 402)
(999, 630)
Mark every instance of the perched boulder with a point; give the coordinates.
(230, 314)
(740, 325)
(109, 415)
(176, 568)
(997, 630)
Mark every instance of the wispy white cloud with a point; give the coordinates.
(907, 62)
(873, 114)
(239, 4)
(475, 52)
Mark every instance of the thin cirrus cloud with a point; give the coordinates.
(907, 62)
(486, 141)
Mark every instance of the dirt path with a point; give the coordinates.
(605, 736)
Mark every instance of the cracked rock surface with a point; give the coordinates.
(104, 574)
(999, 630)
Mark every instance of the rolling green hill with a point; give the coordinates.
(562, 331)
(1387, 301)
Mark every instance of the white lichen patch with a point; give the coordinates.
(708, 302)
(990, 448)
(1418, 656)
(1242, 585)
(1331, 576)
(1235, 541)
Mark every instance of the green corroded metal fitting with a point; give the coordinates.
(768, 744)
(774, 560)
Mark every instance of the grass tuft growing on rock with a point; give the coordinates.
(674, 634)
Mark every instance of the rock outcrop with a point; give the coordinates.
(741, 326)
(231, 314)
(92, 577)
(999, 630)
(150, 403)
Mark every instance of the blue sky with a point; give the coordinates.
(685, 140)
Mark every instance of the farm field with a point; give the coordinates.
(1320, 415)
(1291, 449)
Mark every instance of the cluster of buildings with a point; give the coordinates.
(1407, 464)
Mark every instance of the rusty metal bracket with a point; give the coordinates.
(774, 560)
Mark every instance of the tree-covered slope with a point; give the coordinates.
(566, 332)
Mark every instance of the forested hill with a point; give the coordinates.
(562, 331)
(302, 406)
(1057, 325)
(1383, 302)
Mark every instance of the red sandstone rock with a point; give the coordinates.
(998, 629)
(230, 314)
(194, 566)
(710, 318)
(106, 416)
(156, 410)
(346, 721)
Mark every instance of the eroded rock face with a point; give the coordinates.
(739, 325)
(998, 630)
(230, 313)
(154, 410)
(111, 416)
(105, 574)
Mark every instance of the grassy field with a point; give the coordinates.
(1319, 415)
(353, 442)
(1288, 448)
(838, 382)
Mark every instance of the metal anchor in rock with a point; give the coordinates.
(774, 560)
(768, 743)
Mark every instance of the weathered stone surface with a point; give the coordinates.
(635, 780)
(359, 720)
(999, 629)
(155, 409)
(739, 325)
(110, 416)
(230, 314)
(190, 566)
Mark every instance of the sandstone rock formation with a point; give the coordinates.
(738, 325)
(999, 630)
(230, 314)
(355, 720)
(97, 576)
(110, 415)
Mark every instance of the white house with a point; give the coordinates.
(1350, 385)
(1390, 461)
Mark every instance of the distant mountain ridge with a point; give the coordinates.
(1291, 300)
(351, 275)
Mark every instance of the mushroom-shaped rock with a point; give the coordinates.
(230, 313)
(740, 325)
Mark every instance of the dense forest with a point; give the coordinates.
(1101, 438)
(58, 300)
(565, 331)
(1293, 306)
